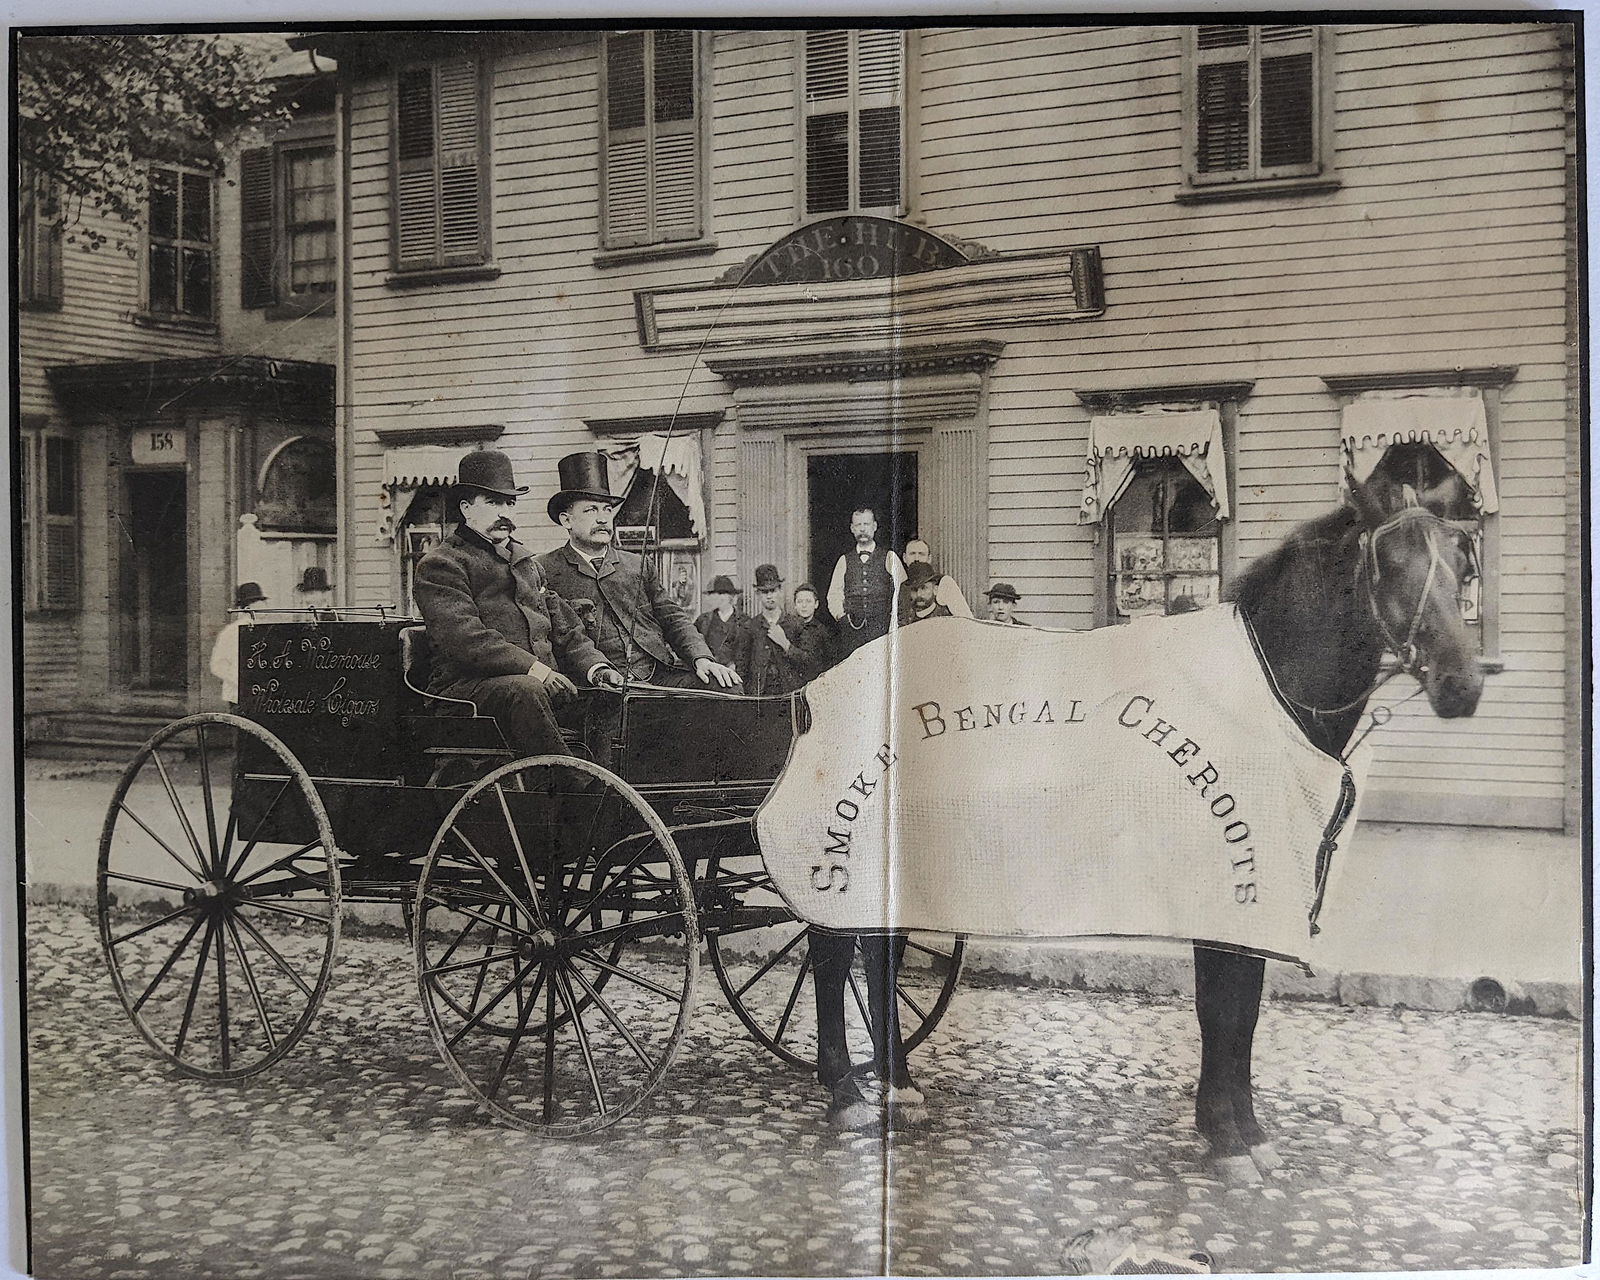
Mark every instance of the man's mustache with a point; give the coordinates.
(503, 523)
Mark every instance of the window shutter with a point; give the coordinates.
(1224, 106)
(256, 286)
(1288, 96)
(627, 173)
(59, 588)
(460, 167)
(827, 139)
(675, 148)
(880, 73)
(827, 65)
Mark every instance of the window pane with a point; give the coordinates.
(310, 184)
(197, 282)
(1286, 110)
(61, 476)
(880, 157)
(164, 203)
(674, 75)
(311, 261)
(415, 112)
(625, 82)
(163, 277)
(827, 163)
(196, 207)
(1224, 139)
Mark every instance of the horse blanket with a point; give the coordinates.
(1141, 780)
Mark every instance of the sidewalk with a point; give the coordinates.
(1415, 915)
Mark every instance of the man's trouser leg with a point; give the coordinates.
(522, 708)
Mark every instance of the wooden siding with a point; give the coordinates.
(1443, 246)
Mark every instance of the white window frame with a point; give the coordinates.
(855, 103)
(179, 242)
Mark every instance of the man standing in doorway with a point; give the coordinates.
(861, 595)
(636, 624)
(946, 591)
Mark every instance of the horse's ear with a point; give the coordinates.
(1369, 499)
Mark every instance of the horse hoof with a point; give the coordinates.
(1265, 1157)
(908, 1116)
(850, 1110)
(1237, 1171)
(906, 1095)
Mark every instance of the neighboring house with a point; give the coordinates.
(176, 389)
(1102, 311)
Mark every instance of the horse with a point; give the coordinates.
(1381, 573)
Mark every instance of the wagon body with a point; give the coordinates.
(556, 906)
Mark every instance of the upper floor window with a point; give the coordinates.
(854, 100)
(1258, 103)
(181, 254)
(652, 131)
(38, 242)
(288, 247)
(440, 204)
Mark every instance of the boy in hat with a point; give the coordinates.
(722, 624)
(500, 637)
(225, 652)
(771, 661)
(814, 644)
(921, 596)
(1002, 598)
(638, 627)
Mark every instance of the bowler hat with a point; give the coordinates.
(1002, 591)
(722, 585)
(489, 471)
(315, 578)
(921, 573)
(247, 594)
(582, 475)
(768, 577)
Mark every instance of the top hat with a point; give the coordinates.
(489, 471)
(768, 577)
(920, 573)
(315, 578)
(722, 585)
(1002, 591)
(247, 594)
(582, 475)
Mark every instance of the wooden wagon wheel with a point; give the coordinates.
(571, 1019)
(765, 975)
(218, 896)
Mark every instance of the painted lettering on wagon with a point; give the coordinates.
(265, 700)
(933, 720)
(316, 652)
(1207, 783)
(832, 874)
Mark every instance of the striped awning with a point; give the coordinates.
(416, 466)
(1118, 440)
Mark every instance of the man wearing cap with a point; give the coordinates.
(946, 591)
(722, 625)
(1002, 598)
(861, 595)
(920, 598)
(225, 652)
(771, 662)
(500, 637)
(638, 627)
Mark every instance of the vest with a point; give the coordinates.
(868, 588)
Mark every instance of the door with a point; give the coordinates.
(839, 483)
(154, 587)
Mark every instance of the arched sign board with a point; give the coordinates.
(851, 247)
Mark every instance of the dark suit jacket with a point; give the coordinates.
(487, 617)
(767, 668)
(813, 644)
(633, 614)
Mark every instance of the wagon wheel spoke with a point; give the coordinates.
(774, 959)
(277, 908)
(224, 1047)
(176, 856)
(183, 813)
(915, 1007)
(211, 808)
(484, 864)
(249, 846)
(492, 957)
(254, 988)
(564, 990)
(522, 859)
(145, 880)
(549, 1079)
(189, 909)
(194, 989)
(526, 1009)
(483, 919)
(855, 990)
(627, 975)
(167, 967)
(285, 863)
(514, 985)
(277, 956)
(611, 1016)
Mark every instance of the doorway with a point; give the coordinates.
(154, 587)
(837, 484)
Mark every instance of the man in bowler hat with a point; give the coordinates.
(722, 624)
(501, 639)
(638, 627)
(772, 664)
(920, 597)
(1003, 598)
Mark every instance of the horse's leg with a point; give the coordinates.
(830, 970)
(884, 956)
(1227, 997)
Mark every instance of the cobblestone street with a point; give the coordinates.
(1413, 1141)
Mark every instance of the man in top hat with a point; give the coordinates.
(920, 599)
(225, 651)
(722, 624)
(501, 639)
(945, 590)
(638, 627)
(1002, 598)
(862, 593)
(771, 661)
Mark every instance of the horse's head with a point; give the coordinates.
(1414, 565)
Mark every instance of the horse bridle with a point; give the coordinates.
(1369, 573)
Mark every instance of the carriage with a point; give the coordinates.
(555, 906)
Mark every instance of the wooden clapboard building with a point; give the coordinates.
(1098, 311)
(176, 430)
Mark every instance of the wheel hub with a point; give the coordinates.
(538, 945)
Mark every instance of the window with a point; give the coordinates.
(853, 98)
(652, 168)
(181, 251)
(288, 247)
(49, 512)
(1257, 103)
(423, 526)
(1442, 490)
(1165, 544)
(297, 493)
(38, 243)
(440, 167)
